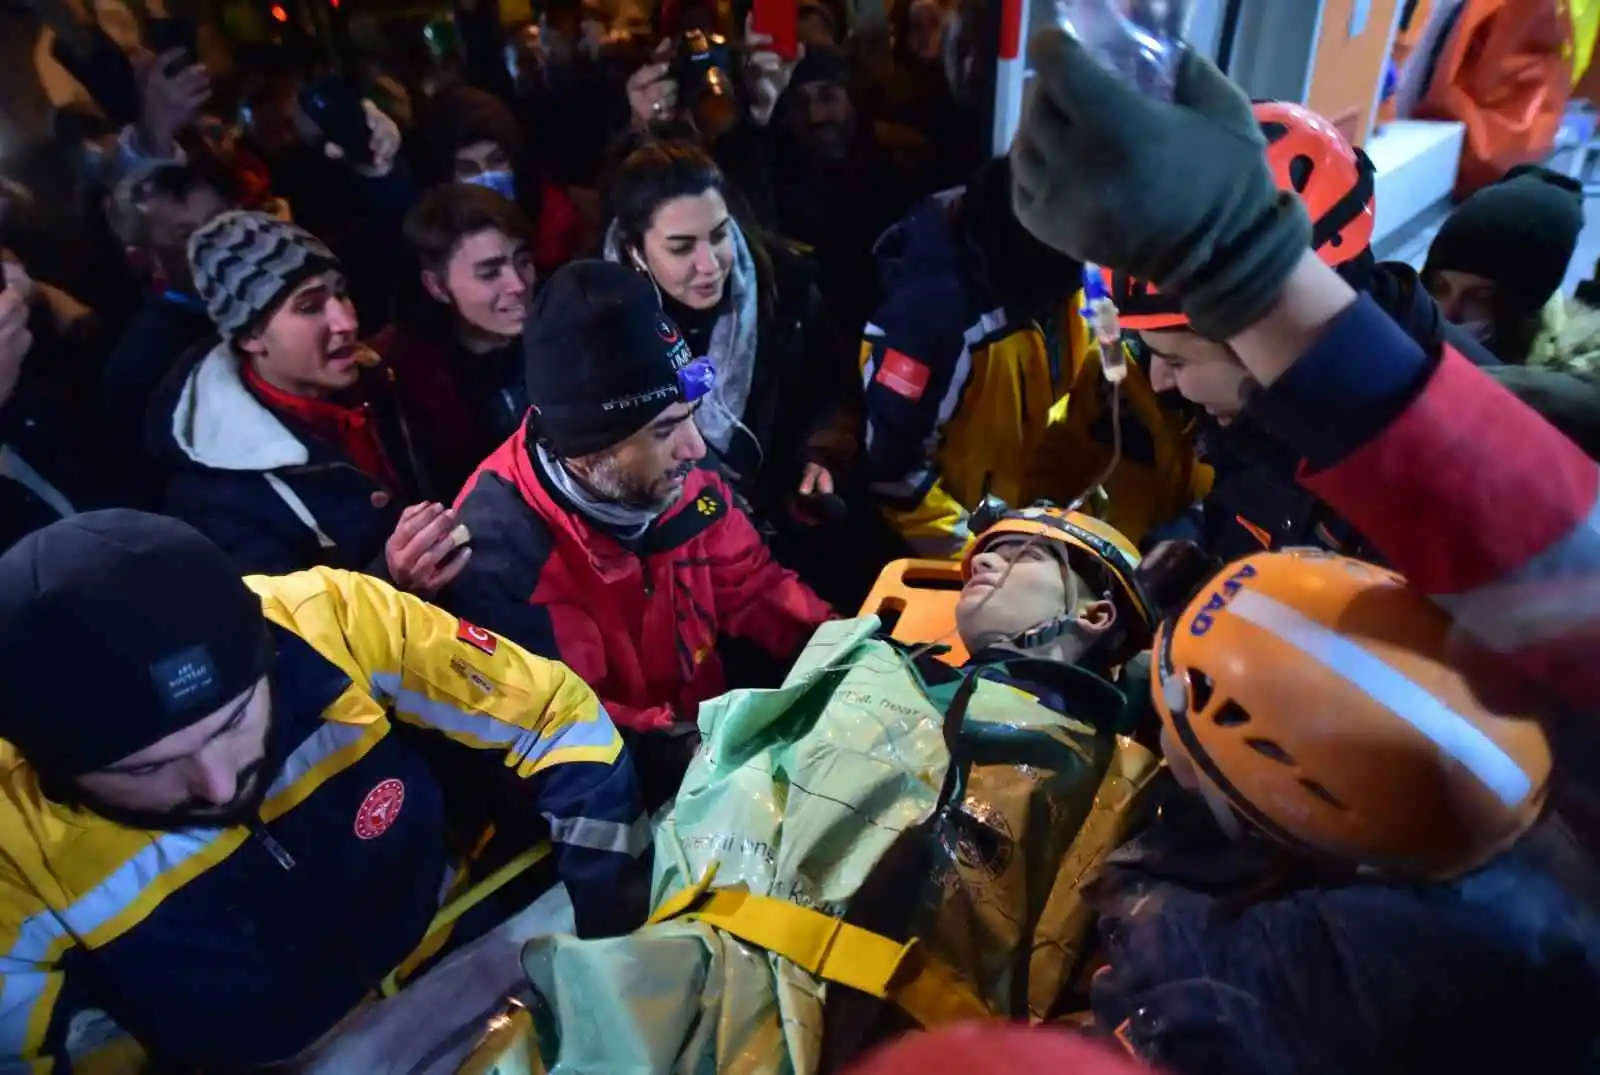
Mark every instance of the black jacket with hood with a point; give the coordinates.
(275, 497)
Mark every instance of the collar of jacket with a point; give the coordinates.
(219, 423)
(304, 684)
(611, 559)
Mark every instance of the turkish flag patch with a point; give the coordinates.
(903, 375)
(476, 637)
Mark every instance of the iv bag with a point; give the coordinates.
(1140, 41)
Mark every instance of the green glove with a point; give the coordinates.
(1178, 194)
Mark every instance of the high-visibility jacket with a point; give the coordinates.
(967, 395)
(394, 725)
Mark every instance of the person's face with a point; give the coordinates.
(171, 222)
(487, 283)
(526, 59)
(826, 119)
(1463, 297)
(648, 470)
(272, 122)
(480, 158)
(210, 774)
(689, 249)
(308, 346)
(996, 605)
(1205, 373)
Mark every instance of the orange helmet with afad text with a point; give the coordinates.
(1099, 553)
(1314, 694)
(1309, 157)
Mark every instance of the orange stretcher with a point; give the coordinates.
(917, 599)
(1505, 71)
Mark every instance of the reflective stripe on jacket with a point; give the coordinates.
(392, 721)
(966, 395)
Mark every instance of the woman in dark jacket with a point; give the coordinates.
(782, 421)
(456, 344)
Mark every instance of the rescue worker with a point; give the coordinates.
(1364, 882)
(1463, 489)
(599, 539)
(967, 363)
(275, 788)
(1254, 502)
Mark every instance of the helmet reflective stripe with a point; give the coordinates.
(1444, 727)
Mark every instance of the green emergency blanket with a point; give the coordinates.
(798, 793)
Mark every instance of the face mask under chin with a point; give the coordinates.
(502, 183)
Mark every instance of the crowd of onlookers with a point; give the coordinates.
(322, 348)
(317, 347)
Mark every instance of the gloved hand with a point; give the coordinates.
(1175, 193)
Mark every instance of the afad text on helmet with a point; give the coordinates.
(1219, 599)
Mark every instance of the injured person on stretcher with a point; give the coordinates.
(1345, 865)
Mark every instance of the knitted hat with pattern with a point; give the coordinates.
(245, 264)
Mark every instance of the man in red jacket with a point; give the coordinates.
(598, 541)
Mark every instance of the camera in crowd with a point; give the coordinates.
(703, 70)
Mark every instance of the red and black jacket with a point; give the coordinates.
(638, 620)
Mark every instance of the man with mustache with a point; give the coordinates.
(600, 542)
(274, 787)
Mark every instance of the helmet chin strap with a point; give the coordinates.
(1042, 635)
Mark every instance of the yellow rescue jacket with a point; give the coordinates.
(398, 734)
(964, 395)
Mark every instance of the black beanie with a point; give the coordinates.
(117, 629)
(602, 359)
(824, 63)
(1519, 233)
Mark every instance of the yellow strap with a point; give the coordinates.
(450, 912)
(833, 950)
(828, 947)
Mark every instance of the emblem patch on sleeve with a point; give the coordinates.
(903, 375)
(476, 637)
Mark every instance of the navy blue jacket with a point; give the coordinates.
(273, 496)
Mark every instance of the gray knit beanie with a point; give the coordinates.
(245, 264)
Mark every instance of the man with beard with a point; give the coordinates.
(842, 179)
(597, 539)
(275, 787)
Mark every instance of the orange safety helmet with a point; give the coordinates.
(1308, 156)
(1312, 691)
(1096, 551)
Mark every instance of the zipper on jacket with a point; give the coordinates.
(274, 848)
(644, 570)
